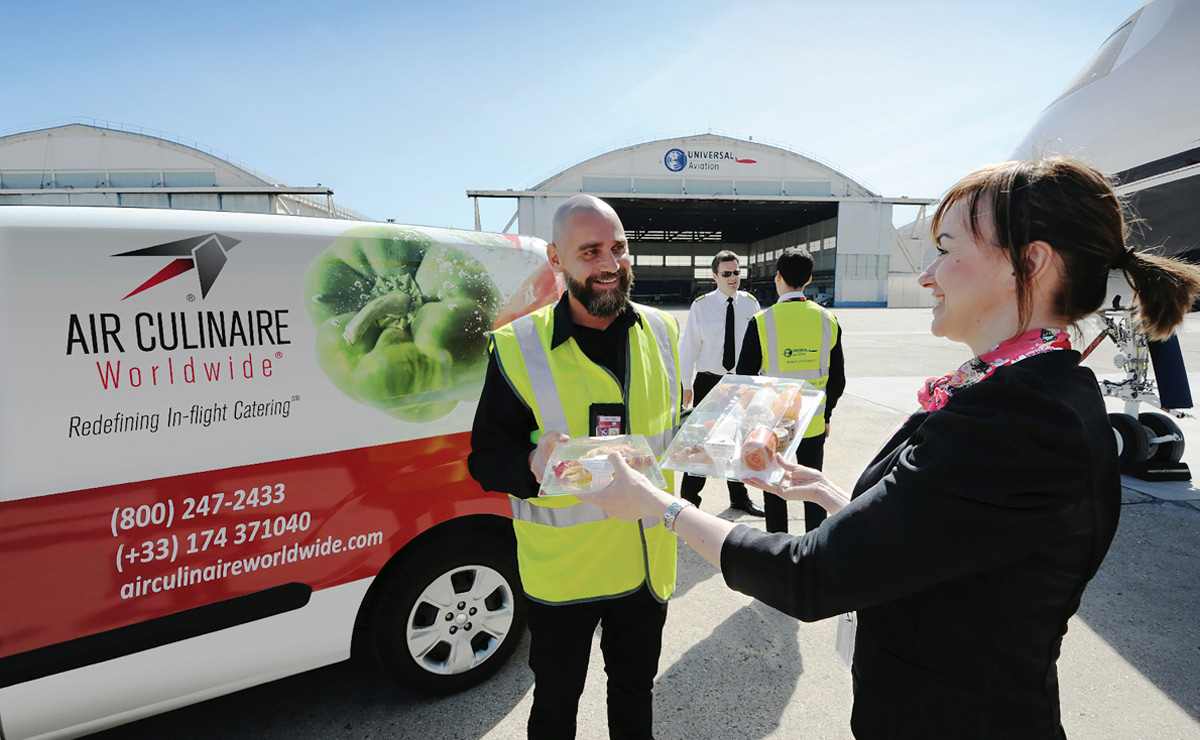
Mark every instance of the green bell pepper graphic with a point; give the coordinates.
(401, 319)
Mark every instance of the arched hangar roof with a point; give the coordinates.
(706, 164)
(78, 163)
(92, 150)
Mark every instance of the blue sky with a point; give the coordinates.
(401, 107)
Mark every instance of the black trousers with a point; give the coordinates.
(560, 645)
(690, 488)
(811, 454)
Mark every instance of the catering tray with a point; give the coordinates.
(736, 430)
(581, 464)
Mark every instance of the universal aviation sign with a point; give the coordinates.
(680, 160)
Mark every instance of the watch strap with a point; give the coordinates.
(672, 513)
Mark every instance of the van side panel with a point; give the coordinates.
(199, 478)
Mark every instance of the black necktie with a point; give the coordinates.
(729, 359)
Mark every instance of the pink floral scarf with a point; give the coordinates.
(937, 391)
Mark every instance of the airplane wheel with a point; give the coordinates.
(1132, 444)
(1160, 425)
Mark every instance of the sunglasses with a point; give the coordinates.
(727, 273)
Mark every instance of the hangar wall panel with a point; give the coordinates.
(905, 292)
(535, 216)
(861, 293)
(863, 252)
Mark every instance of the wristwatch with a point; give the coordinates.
(672, 513)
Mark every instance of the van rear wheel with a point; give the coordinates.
(450, 614)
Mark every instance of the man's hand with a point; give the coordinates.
(687, 399)
(540, 456)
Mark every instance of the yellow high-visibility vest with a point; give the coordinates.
(797, 338)
(568, 550)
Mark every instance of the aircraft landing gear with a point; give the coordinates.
(1149, 445)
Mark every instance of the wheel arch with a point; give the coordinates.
(493, 525)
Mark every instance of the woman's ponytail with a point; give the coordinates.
(1166, 289)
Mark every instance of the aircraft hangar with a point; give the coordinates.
(91, 163)
(682, 200)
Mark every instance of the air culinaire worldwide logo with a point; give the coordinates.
(154, 332)
(677, 160)
(207, 254)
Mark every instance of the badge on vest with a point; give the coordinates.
(606, 419)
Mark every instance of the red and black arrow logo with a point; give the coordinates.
(207, 254)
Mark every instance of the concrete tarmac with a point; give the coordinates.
(734, 668)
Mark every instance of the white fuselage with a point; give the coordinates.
(1134, 112)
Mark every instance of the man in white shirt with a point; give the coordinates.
(710, 345)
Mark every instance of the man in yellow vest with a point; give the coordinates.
(592, 364)
(796, 338)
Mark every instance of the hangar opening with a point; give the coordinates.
(673, 243)
(682, 200)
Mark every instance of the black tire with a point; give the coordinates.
(1132, 446)
(450, 614)
(1160, 425)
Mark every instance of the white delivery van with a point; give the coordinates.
(230, 444)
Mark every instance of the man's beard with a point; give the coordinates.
(603, 304)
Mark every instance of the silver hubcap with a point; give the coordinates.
(460, 619)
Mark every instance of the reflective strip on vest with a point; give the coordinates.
(658, 443)
(772, 353)
(567, 516)
(537, 364)
(659, 328)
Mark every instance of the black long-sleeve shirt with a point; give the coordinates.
(750, 362)
(965, 550)
(500, 435)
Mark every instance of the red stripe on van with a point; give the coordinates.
(59, 554)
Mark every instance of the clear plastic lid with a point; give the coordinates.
(581, 464)
(736, 430)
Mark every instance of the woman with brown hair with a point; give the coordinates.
(967, 542)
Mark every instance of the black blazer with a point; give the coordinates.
(965, 549)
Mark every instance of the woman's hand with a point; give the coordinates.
(804, 484)
(630, 496)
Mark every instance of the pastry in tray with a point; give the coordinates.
(573, 471)
(581, 464)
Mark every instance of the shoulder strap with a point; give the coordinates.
(541, 378)
(662, 336)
